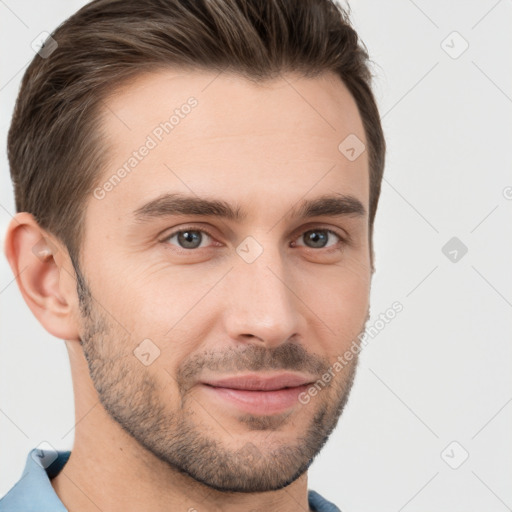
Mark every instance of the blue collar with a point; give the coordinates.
(33, 491)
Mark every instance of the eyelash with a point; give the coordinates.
(343, 240)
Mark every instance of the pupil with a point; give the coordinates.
(189, 239)
(319, 238)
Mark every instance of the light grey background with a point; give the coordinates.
(441, 370)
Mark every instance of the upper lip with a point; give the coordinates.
(255, 382)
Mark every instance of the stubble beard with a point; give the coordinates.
(138, 402)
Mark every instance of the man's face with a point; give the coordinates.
(192, 337)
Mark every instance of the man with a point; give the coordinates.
(196, 185)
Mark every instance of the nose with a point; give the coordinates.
(261, 302)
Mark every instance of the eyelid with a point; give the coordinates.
(341, 239)
(187, 228)
(339, 232)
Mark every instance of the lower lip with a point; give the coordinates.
(259, 402)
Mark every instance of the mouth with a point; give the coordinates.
(257, 394)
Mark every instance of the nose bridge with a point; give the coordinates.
(261, 300)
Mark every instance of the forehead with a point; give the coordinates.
(213, 134)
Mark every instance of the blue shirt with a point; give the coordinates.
(34, 493)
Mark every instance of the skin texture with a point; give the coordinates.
(151, 437)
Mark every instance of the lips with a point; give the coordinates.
(257, 394)
(260, 383)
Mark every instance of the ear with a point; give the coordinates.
(44, 274)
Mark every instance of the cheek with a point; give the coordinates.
(144, 295)
(169, 306)
(168, 298)
(172, 309)
(339, 300)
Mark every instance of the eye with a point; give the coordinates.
(188, 238)
(193, 238)
(319, 238)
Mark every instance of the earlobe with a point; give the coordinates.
(37, 261)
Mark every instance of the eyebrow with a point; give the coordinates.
(167, 205)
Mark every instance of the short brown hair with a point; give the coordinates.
(55, 145)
